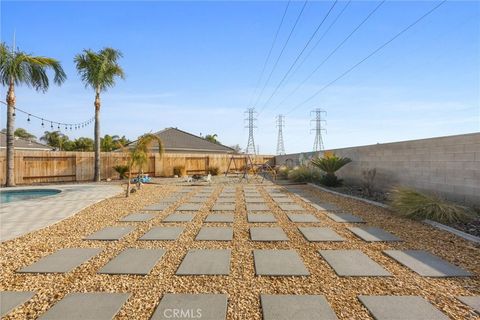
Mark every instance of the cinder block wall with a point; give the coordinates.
(449, 166)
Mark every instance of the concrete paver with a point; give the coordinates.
(267, 234)
(81, 306)
(298, 307)
(353, 263)
(318, 234)
(9, 300)
(133, 261)
(163, 233)
(401, 308)
(215, 234)
(426, 264)
(64, 260)
(205, 262)
(191, 306)
(279, 263)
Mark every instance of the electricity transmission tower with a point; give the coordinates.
(250, 118)
(319, 122)
(280, 125)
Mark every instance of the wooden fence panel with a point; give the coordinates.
(37, 169)
(61, 166)
(196, 165)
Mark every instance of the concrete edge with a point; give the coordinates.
(375, 203)
(434, 224)
(459, 233)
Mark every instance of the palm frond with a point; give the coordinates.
(330, 163)
(99, 70)
(23, 68)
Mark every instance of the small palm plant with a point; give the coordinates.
(138, 155)
(330, 163)
(99, 70)
(121, 170)
(17, 68)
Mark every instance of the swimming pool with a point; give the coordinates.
(27, 194)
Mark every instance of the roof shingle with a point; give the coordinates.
(176, 140)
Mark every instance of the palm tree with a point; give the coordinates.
(108, 143)
(21, 133)
(330, 163)
(99, 71)
(83, 144)
(54, 139)
(16, 68)
(212, 138)
(138, 154)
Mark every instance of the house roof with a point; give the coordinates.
(21, 143)
(178, 140)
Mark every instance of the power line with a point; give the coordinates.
(321, 38)
(369, 55)
(45, 121)
(269, 53)
(333, 52)
(281, 52)
(299, 55)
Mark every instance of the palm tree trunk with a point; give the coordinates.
(10, 135)
(129, 183)
(97, 137)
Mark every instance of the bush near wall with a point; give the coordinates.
(304, 174)
(415, 205)
(178, 171)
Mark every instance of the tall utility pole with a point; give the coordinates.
(280, 125)
(250, 119)
(319, 127)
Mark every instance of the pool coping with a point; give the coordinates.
(31, 188)
(18, 218)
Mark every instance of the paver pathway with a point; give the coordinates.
(336, 248)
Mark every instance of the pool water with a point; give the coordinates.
(18, 195)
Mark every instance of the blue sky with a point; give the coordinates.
(194, 65)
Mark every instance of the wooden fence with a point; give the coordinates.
(61, 166)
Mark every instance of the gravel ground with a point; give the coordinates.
(242, 286)
(471, 227)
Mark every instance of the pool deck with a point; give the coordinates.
(21, 217)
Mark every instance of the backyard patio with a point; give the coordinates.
(238, 251)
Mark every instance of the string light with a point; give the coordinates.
(30, 117)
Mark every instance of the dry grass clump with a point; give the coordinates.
(305, 174)
(415, 205)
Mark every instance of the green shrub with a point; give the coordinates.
(330, 163)
(178, 171)
(415, 205)
(121, 170)
(304, 174)
(330, 180)
(282, 172)
(213, 171)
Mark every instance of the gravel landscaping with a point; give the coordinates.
(240, 285)
(471, 227)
